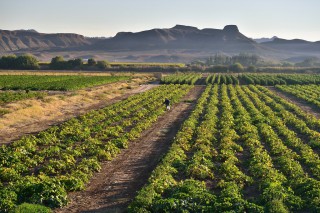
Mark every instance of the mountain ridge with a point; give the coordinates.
(178, 40)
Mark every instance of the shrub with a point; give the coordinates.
(237, 67)
(103, 64)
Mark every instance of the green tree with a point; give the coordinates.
(57, 63)
(251, 69)
(92, 62)
(7, 61)
(237, 67)
(103, 64)
(28, 62)
(74, 63)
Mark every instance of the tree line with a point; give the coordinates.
(59, 63)
(29, 62)
(242, 58)
(218, 64)
(25, 62)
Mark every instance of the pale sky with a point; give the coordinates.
(255, 18)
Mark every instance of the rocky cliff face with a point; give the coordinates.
(22, 40)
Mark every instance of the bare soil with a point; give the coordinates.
(32, 116)
(114, 187)
(304, 105)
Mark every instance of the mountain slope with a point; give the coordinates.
(180, 37)
(22, 39)
(295, 45)
(179, 42)
(262, 40)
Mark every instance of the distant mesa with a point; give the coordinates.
(184, 27)
(231, 29)
(158, 44)
(262, 40)
(296, 41)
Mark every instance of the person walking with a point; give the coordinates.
(167, 103)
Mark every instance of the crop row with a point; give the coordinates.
(309, 93)
(43, 168)
(9, 96)
(241, 151)
(266, 80)
(244, 79)
(36, 82)
(222, 79)
(190, 79)
(276, 79)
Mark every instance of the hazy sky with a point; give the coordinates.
(255, 18)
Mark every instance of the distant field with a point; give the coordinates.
(62, 83)
(139, 64)
(231, 143)
(243, 79)
(147, 64)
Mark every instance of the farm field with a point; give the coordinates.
(309, 93)
(7, 97)
(240, 150)
(243, 79)
(227, 145)
(181, 79)
(46, 166)
(10, 96)
(32, 115)
(63, 83)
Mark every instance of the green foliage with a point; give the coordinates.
(58, 63)
(251, 69)
(262, 79)
(187, 196)
(181, 79)
(8, 200)
(278, 79)
(25, 62)
(4, 111)
(243, 58)
(242, 141)
(103, 64)
(47, 192)
(237, 67)
(41, 82)
(31, 208)
(92, 62)
(276, 206)
(8, 61)
(6, 97)
(222, 79)
(42, 168)
(309, 93)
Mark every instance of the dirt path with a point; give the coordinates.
(112, 189)
(304, 105)
(33, 116)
